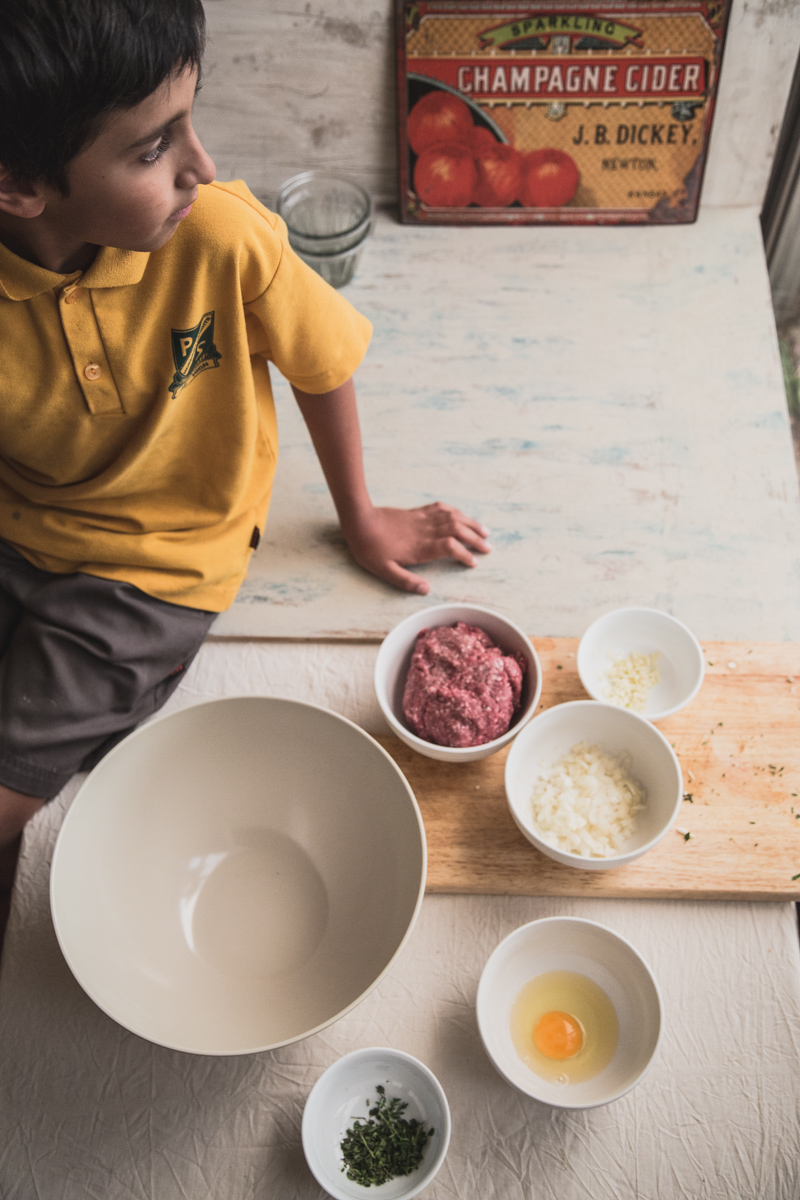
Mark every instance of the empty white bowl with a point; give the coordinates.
(394, 659)
(341, 1094)
(611, 962)
(551, 735)
(235, 876)
(647, 631)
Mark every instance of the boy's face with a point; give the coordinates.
(137, 180)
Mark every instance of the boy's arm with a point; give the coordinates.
(382, 540)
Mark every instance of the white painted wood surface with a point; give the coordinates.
(608, 401)
(298, 85)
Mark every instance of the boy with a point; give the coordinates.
(139, 304)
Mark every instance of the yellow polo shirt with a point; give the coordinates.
(138, 438)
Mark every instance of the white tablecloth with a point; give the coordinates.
(89, 1111)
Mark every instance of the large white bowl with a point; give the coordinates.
(555, 731)
(340, 1095)
(237, 875)
(394, 659)
(572, 944)
(644, 631)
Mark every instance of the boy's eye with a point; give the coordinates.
(155, 154)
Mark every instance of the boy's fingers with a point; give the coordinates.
(451, 547)
(461, 518)
(471, 538)
(407, 581)
(449, 521)
(463, 521)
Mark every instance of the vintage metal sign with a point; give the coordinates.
(555, 112)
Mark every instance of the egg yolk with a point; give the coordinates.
(558, 1035)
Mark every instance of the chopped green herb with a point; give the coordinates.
(686, 836)
(559, 667)
(797, 876)
(386, 1146)
(752, 822)
(688, 797)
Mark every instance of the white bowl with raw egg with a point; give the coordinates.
(642, 659)
(592, 785)
(569, 1012)
(394, 661)
(237, 875)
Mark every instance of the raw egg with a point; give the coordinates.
(564, 1027)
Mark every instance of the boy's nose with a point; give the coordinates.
(208, 170)
(198, 168)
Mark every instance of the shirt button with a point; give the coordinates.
(73, 296)
(92, 371)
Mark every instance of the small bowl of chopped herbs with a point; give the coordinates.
(377, 1118)
(641, 659)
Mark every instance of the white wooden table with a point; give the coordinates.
(608, 401)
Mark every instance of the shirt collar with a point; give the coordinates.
(22, 280)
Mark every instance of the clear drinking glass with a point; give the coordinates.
(328, 219)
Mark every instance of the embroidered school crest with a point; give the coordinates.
(193, 351)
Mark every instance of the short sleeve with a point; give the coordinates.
(312, 334)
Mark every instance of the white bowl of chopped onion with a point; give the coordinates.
(641, 659)
(592, 785)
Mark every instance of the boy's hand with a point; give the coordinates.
(382, 540)
(386, 540)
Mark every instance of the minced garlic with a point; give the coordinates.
(629, 680)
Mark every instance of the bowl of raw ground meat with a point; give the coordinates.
(456, 682)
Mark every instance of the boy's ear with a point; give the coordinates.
(19, 199)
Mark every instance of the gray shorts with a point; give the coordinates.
(82, 661)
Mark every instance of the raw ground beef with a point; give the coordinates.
(461, 689)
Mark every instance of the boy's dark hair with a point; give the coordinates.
(65, 65)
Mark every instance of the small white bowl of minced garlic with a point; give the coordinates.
(641, 659)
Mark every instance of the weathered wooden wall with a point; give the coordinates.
(300, 85)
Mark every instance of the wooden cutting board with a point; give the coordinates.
(739, 747)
